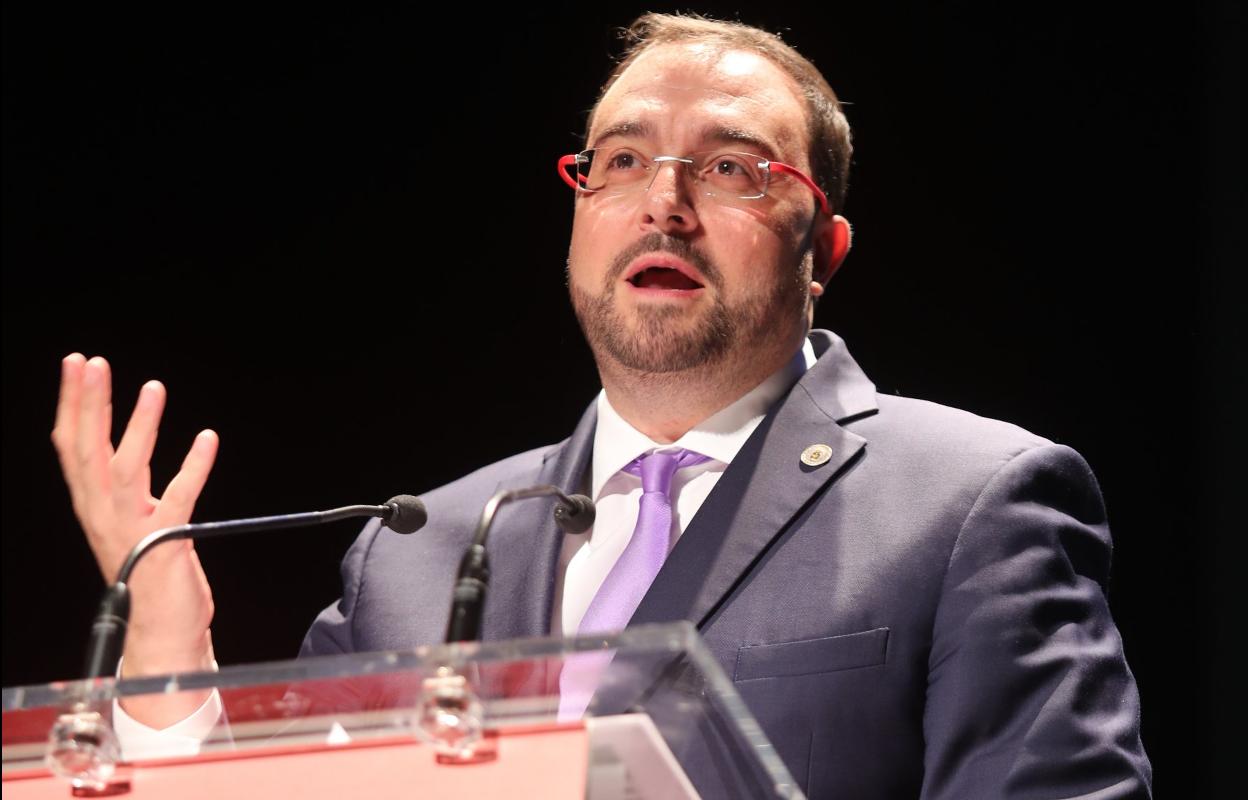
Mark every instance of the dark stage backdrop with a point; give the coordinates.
(339, 240)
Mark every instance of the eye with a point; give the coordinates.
(622, 160)
(729, 168)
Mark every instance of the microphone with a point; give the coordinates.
(573, 513)
(402, 514)
(406, 515)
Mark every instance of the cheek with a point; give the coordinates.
(790, 235)
(790, 227)
(598, 233)
(754, 257)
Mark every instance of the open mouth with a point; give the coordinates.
(663, 278)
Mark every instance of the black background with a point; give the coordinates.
(284, 218)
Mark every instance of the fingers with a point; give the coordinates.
(129, 467)
(112, 490)
(92, 446)
(65, 430)
(67, 403)
(180, 495)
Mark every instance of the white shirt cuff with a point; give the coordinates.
(183, 738)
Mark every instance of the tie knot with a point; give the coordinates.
(656, 469)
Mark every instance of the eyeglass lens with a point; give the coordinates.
(717, 173)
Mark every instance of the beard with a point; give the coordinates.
(667, 338)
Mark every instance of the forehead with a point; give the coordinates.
(682, 91)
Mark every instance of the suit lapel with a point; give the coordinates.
(764, 488)
(525, 541)
(760, 493)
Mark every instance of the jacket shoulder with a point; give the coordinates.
(945, 457)
(924, 426)
(468, 494)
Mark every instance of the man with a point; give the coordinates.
(910, 598)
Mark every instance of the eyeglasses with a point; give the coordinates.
(715, 173)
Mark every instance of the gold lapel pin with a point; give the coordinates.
(816, 454)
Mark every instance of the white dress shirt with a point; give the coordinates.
(585, 559)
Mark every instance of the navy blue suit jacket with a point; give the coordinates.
(923, 615)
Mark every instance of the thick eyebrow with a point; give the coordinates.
(620, 129)
(711, 133)
(724, 133)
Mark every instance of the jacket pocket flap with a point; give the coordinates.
(811, 656)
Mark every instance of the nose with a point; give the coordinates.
(668, 204)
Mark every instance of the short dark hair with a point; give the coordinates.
(830, 145)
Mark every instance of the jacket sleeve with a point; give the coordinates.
(332, 631)
(1029, 693)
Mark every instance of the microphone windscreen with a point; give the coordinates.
(407, 514)
(577, 515)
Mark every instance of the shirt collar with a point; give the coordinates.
(719, 436)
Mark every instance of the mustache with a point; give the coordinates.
(661, 243)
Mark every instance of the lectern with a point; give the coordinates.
(646, 713)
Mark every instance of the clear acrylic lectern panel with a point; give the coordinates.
(461, 703)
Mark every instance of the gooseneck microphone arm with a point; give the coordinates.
(208, 530)
(574, 514)
(403, 514)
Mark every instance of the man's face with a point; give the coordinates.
(669, 279)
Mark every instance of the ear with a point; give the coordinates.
(832, 241)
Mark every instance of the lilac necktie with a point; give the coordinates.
(630, 578)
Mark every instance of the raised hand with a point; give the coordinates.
(171, 607)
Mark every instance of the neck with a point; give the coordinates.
(666, 406)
